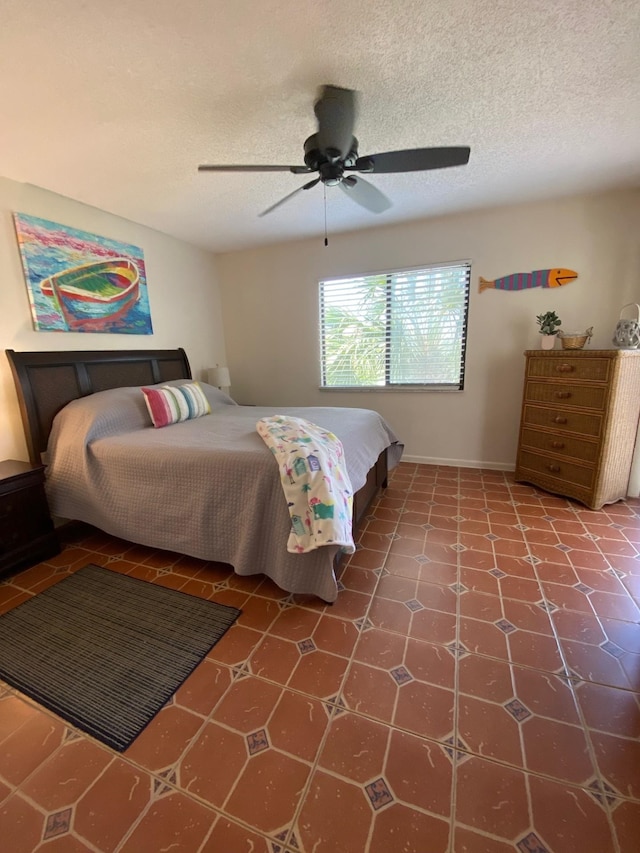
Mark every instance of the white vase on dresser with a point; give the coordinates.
(547, 341)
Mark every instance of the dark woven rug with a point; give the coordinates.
(106, 651)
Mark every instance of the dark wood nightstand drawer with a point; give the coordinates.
(9, 505)
(23, 516)
(15, 505)
(27, 534)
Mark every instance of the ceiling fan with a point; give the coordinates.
(333, 150)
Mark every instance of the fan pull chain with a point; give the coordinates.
(326, 239)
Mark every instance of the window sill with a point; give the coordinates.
(384, 390)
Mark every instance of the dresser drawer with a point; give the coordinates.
(26, 504)
(562, 420)
(12, 537)
(13, 505)
(564, 445)
(24, 516)
(557, 469)
(593, 369)
(581, 396)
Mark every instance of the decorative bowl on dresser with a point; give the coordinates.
(579, 422)
(27, 535)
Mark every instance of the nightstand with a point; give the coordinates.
(27, 535)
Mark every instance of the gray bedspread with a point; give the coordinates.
(209, 487)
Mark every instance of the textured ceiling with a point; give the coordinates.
(115, 103)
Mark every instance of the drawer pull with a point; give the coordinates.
(559, 420)
(555, 469)
(557, 444)
(562, 395)
(565, 368)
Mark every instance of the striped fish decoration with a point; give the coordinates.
(526, 280)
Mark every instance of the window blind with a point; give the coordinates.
(402, 329)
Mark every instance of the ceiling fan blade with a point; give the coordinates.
(365, 194)
(336, 113)
(297, 170)
(287, 197)
(413, 160)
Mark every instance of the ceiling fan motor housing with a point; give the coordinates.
(316, 159)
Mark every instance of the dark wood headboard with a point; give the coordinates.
(47, 381)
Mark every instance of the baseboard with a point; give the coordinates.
(459, 463)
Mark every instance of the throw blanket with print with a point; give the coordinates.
(315, 482)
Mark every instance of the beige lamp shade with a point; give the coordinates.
(219, 376)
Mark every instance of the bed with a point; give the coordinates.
(207, 487)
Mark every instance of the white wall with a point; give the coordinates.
(269, 299)
(183, 295)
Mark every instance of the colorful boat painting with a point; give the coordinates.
(91, 294)
(82, 282)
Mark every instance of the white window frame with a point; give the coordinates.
(464, 268)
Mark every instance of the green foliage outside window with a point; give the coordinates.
(404, 329)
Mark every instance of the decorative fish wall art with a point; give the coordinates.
(526, 280)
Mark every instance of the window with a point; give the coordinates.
(402, 329)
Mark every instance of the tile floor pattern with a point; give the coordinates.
(475, 689)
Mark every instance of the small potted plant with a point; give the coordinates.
(549, 326)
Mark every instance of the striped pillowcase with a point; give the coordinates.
(174, 403)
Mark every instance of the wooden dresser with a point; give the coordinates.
(579, 421)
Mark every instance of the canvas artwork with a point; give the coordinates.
(81, 282)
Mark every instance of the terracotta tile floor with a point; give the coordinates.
(475, 689)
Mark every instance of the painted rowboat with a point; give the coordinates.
(91, 294)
